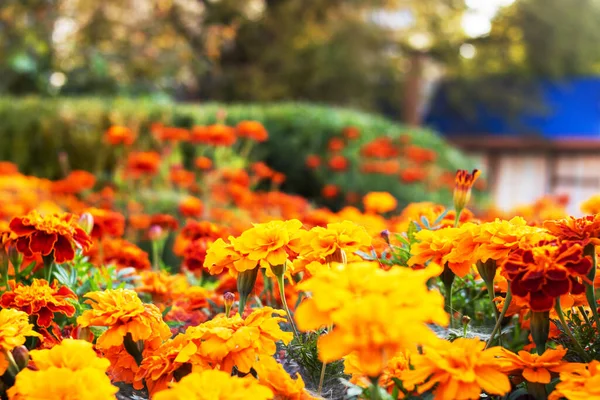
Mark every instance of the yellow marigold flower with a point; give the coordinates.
(591, 206)
(379, 202)
(14, 327)
(227, 342)
(269, 243)
(461, 370)
(580, 382)
(62, 384)
(533, 367)
(123, 312)
(462, 190)
(272, 375)
(370, 309)
(70, 354)
(454, 246)
(215, 385)
(393, 369)
(40, 299)
(586, 229)
(222, 255)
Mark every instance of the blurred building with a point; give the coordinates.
(531, 154)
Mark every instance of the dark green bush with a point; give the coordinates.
(33, 131)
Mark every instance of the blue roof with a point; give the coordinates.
(571, 110)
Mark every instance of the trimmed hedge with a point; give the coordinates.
(34, 131)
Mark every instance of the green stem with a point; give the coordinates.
(507, 301)
(537, 390)
(155, 262)
(49, 265)
(585, 316)
(540, 329)
(133, 349)
(457, 217)
(590, 292)
(280, 283)
(375, 389)
(567, 330)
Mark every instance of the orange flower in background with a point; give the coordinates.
(539, 274)
(212, 385)
(591, 205)
(107, 223)
(142, 163)
(533, 367)
(581, 382)
(198, 230)
(40, 299)
(262, 170)
(412, 175)
(181, 177)
(420, 155)
(194, 255)
(394, 368)
(462, 189)
(338, 163)
(191, 206)
(161, 285)
(8, 168)
(165, 221)
(252, 130)
(116, 135)
(351, 132)
(330, 191)
(203, 163)
(122, 311)
(236, 176)
(461, 369)
(336, 144)
(123, 254)
(171, 134)
(139, 221)
(382, 147)
(14, 329)
(313, 161)
(379, 202)
(76, 182)
(52, 234)
(585, 229)
(216, 135)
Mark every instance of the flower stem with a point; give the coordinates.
(375, 389)
(540, 329)
(590, 294)
(132, 349)
(507, 301)
(537, 390)
(280, 283)
(49, 265)
(567, 330)
(585, 316)
(323, 368)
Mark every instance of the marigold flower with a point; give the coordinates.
(8, 168)
(252, 130)
(462, 190)
(181, 177)
(413, 174)
(420, 155)
(62, 384)
(165, 221)
(198, 230)
(116, 135)
(586, 229)
(351, 132)
(191, 206)
(338, 163)
(379, 202)
(591, 206)
(272, 375)
(393, 369)
(14, 327)
(41, 300)
(143, 163)
(72, 354)
(580, 382)
(313, 161)
(542, 273)
(461, 369)
(227, 342)
(123, 254)
(161, 285)
(533, 367)
(52, 234)
(203, 163)
(382, 147)
(211, 385)
(369, 309)
(262, 170)
(214, 135)
(123, 313)
(222, 255)
(336, 144)
(194, 255)
(330, 191)
(171, 134)
(106, 223)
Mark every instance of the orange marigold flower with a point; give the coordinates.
(172, 134)
(461, 369)
(586, 229)
(313, 161)
(412, 175)
(393, 369)
(379, 202)
(533, 367)
(14, 327)
(62, 384)
(72, 354)
(165, 221)
(336, 144)
(272, 375)
(262, 170)
(369, 309)
(194, 255)
(161, 285)
(462, 190)
(41, 300)
(106, 223)
(222, 255)
(203, 163)
(420, 155)
(77, 181)
(591, 206)
(330, 191)
(580, 382)
(382, 147)
(544, 272)
(338, 163)
(116, 135)
(181, 177)
(52, 234)
(252, 130)
(351, 132)
(123, 312)
(191, 206)
(124, 254)
(198, 230)
(227, 342)
(8, 168)
(214, 135)
(211, 385)
(143, 163)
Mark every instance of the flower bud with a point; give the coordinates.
(338, 256)
(466, 320)
(462, 189)
(86, 222)
(228, 299)
(21, 356)
(155, 232)
(245, 285)
(385, 235)
(85, 334)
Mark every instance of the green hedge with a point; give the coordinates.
(33, 131)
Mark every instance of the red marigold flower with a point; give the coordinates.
(165, 221)
(336, 144)
(420, 155)
(313, 161)
(203, 163)
(41, 300)
(124, 254)
(262, 170)
(330, 191)
(351, 132)
(191, 207)
(338, 163)
(382, 147)
(181, 177)
(106, 223)
(198, 230)
(76, 182)
(53, 234)
(116, 135)
(172, 134)
(214, 135)
(194, 255)
(143, 163)
(411, 175)
(253, 130)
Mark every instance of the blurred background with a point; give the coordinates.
(514, 84)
